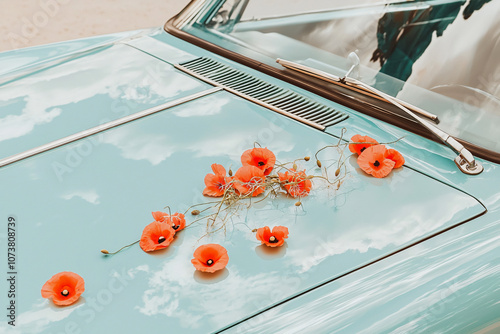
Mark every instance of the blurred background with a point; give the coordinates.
(26, 23)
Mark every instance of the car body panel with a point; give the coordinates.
(82, 93)
(16, 62)
(103, 199)
(422, 154)
(446, 284)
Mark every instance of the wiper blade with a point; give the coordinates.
(338, 80)
(465, 160)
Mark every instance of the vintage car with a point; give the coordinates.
(98, 133)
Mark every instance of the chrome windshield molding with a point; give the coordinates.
(103, 127)
(189, 13)
(338, 81)
(465, 161)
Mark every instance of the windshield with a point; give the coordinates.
(441, 56)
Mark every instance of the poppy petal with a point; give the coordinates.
(276, 238)
(364, 143)
(177, 221)
(295, 183)
(216, 184)
(64, 288)
(159, 216)
(395, 156)
(218, 169)
(210, 258)
(259, 157)
(249, 181)
(156, 236)
(373, 161)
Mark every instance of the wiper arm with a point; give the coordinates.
(338, 80)
(465, 160)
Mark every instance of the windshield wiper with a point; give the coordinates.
(465, 160)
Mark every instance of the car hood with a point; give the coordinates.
(99, 192)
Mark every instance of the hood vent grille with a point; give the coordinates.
(284, 101)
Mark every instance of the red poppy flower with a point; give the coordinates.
(373, 161)
(156, 236)
(359, 148)
(177, 220)
(275, 238)
(261, 158)
(295, 183)
(64, 288)
(210, 258)
(216, 183)
(249, 181)
(395, 156)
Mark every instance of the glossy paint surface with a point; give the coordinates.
(448, 284)
(84, 92)
(99, 192)
(15, 61)
(125, 173)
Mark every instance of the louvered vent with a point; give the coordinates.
(279, 99)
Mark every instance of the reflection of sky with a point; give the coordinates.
(403, 295)
(161, 160)
(90, 196)
(83, 93)
(39, 318)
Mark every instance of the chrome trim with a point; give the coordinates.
(249, 98)
(103, 127)
(189, 13)
(325, 76)
(465, 161)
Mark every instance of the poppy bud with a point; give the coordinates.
(337, 172)
(294, 166)
(338, 185)
(230, 172)
(298, 203)
(307, 158)
(254, 230)
(318, 163)
(195, 212)
(308, 177)
(104, 251)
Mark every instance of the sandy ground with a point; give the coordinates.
(26, 23)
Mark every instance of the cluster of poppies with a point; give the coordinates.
(373, 158)
(65, 288)
(250, 179)
(160, 233)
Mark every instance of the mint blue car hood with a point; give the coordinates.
(99, 192)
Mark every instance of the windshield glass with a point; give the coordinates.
(441, 55)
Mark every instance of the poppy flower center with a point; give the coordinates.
(210, 262)
(175, 227)
(65, 292)
(376, 163)
(161, 239)
(261, 163)
(273, 239)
